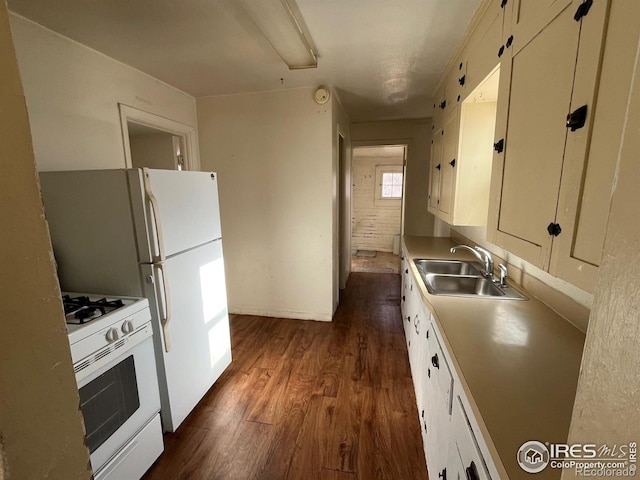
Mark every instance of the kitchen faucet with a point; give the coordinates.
(481, 254)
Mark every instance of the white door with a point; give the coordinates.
(197, 333)
(181, 211)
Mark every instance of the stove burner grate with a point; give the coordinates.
(83, 309)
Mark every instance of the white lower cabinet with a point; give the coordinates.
(452, 443)
(464, 447)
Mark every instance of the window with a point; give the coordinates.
(391, 185)
(388, 191)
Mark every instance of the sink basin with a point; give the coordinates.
(447, 267)
(469, 286)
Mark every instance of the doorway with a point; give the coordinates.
(154, 148)
(156, 142)
(378, 192)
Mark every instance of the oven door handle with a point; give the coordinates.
(156, 215)
(166, 314)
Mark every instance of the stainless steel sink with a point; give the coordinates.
(469, 286)
(447, 267)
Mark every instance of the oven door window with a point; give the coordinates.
(108, 401)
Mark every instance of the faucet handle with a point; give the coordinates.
(503, 274)
(488, 260)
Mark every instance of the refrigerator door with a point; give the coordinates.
(173, 211)
(198, 329)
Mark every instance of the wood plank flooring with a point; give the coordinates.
(308, 400)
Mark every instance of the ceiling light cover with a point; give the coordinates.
(278, 23)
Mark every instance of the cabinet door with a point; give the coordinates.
(591, 153)
(488, 37)
(437, 414)
(434, 172)
(439, 107)
(464, 446)
(448, 169)
(536, 81)
(456, 84)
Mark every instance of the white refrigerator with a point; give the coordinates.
(151, 233)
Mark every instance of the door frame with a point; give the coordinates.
(187, 132)
(400, 142)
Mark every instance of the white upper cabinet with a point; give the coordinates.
(549, 73)
(591, 152)
(461, 154)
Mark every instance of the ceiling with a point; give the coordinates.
(384, 57)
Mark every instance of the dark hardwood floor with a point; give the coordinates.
(308, 400)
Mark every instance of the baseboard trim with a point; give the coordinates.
(318, 317)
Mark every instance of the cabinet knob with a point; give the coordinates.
(406, 270)
(499, 146)
(403, 298)
(435, 362)
(472, 472)
(438, 167)
(462, 79)
(408, 319)
(443, 474)
(453, 162)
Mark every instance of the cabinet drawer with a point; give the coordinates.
(465, 445)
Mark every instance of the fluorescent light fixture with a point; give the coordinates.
(280, 26)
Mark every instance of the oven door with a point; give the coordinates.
(118, 400)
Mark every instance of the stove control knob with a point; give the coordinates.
(127, 326)
(112, 335)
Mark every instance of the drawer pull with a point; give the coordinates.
(443, 474)
(472, 472)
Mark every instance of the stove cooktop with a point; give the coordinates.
(88, 313)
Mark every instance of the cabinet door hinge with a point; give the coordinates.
(583, 10)
(499, 145)
(577, 118)
(554, 229)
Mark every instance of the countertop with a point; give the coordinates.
(518, 361)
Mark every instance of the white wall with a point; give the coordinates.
(375, 224)
(417, 135)
(273, 154)
(72, 97)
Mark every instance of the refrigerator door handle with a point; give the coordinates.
(156, 215)
(166, 317)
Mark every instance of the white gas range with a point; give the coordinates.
(114, 362)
